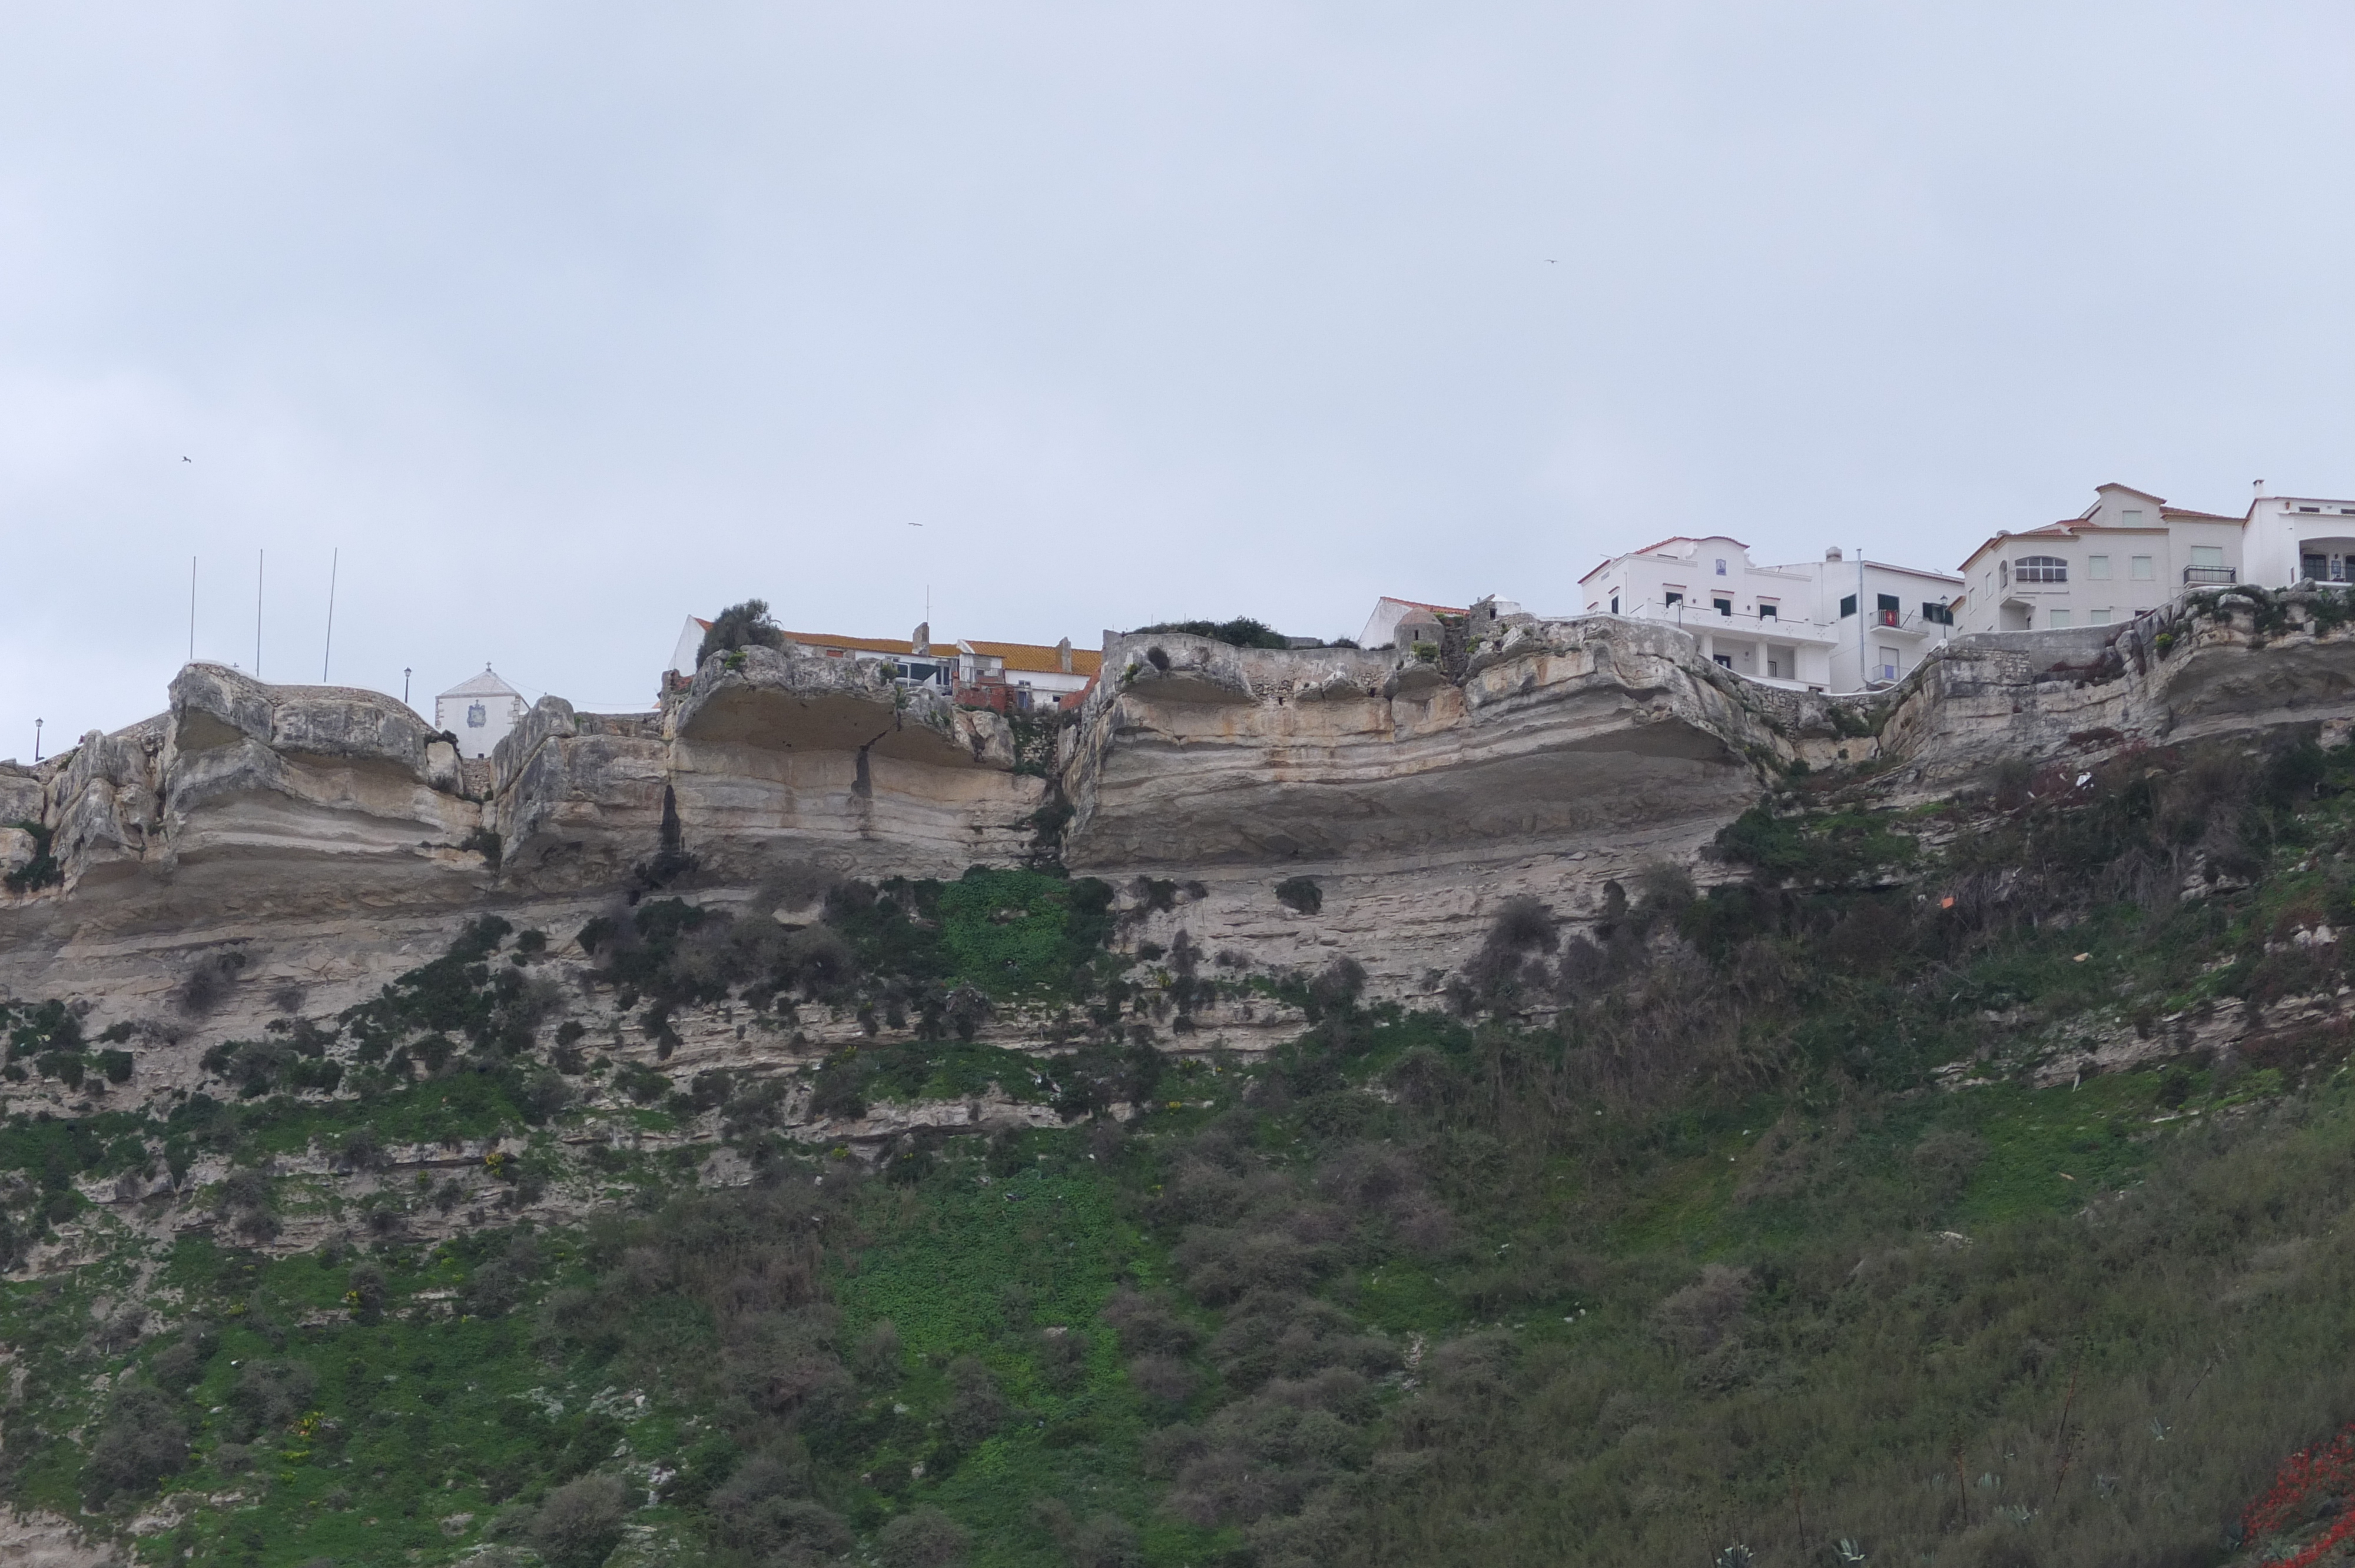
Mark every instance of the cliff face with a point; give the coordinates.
(339, 838)
(1554, 736)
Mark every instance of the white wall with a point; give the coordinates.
(498, 715)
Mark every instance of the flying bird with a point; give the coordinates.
(188, 460)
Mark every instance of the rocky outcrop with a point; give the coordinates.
(1555, 735)
(1413, 792)
(769, 760)
(2229, 660)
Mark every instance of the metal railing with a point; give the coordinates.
(2209, 576)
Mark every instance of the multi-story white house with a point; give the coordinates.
(1837, 625)
(2130, 551)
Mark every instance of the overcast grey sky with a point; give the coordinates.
(564, 321)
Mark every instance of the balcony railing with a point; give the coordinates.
(2212, 577)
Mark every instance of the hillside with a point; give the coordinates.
(1570, 1107)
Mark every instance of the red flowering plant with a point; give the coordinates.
(2305, 1480)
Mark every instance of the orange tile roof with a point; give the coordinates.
(1030, 656)
(1033, 657)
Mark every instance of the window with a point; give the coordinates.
(2139, 569)
(477, 715)
(1614, 604)
(2043, 569)
(2098, 568)
(1768, 609)
(1887, 669)
(1937, 614)
(1884, 609)
(2097, 618)
(2003, 569)
(1724, 659)
(1774, 668)
(2314, 569)
(2058, 619)
(2309, 509)
(1847, 607)
(2130, 518)
(2207, 554)
(1720, 560)
(1672, 596)
(1722, 605)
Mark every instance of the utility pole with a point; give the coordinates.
(334, 561)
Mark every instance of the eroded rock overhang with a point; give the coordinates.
(1541, 735)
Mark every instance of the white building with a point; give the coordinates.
(1030, 674)
(479, 712)
(1836, 624)
(2130, 551)
(1381, 627)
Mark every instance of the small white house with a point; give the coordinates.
(479, 712)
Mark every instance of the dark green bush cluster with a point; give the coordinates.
(931, 955)
(1239, 633)
(745, 625)
(42, 871)
(463, 998)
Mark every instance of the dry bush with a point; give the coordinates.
(210, 978)
(1694, 1320)
(923, 1537)
(1164, 1380)
(577, 1525)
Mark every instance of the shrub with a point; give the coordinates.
(921, 1538)
(1241, 632)
(42, 871)
(143, 1441)
(745, 625)
(578, 1524)
(207, 982)
(1300, 895)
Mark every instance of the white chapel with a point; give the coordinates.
(479, 712)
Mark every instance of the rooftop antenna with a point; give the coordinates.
(335, 559)
(257, 614)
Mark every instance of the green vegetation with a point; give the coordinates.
(42, 871)
(740, 626)
(1794, 1213)
(1241, 633)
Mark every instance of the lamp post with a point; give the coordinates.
(404, 685)
(37, 741)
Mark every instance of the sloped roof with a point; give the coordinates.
(1032, 656)
(1040, 660)
(1418, 604)
(485, 684)
(1671, 539)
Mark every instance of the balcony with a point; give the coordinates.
(2209, 576)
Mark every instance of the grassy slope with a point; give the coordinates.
(1780, 1291)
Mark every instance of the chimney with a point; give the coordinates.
(2260, 488)
(1833, 554)
(922, 642)
(1063, 655)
